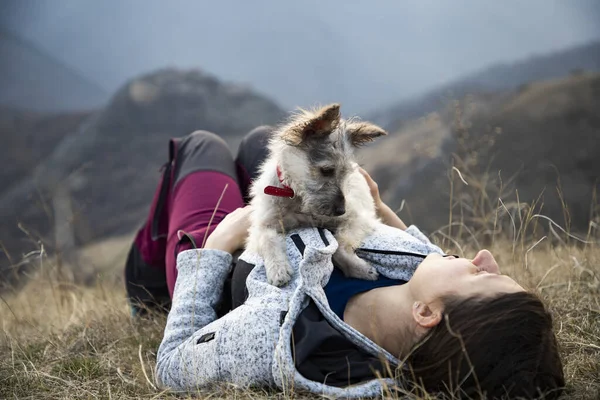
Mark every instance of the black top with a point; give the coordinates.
(322, 354)
(340, 289)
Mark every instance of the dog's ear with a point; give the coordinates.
(319, 123)
(363, 132)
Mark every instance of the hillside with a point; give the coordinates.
(499, 77)
(542, 139)
(98, 169)
(101, 174)
(29, 136)
(360, 53)
(34, 80)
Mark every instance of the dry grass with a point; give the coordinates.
(65, 341)
(61, 341)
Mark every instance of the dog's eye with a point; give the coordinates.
(327, 171)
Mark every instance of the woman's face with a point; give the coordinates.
(438, 276)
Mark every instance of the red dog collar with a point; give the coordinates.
(284, 191)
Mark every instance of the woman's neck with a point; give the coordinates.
(384, 315)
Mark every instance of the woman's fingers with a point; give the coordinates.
(383, 211)
(238, 220)
(372, 184)
(232, 231)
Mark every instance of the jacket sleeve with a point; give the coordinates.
(181, 363)
(417, 234)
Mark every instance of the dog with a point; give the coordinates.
(310, 178)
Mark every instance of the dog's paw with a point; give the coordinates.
(366, 272)
(354, 266)
(279, 275)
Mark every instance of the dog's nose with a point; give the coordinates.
(339, 205)
(340, 209)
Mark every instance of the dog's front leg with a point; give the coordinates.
(349, 237)
(352, 265)
(346, 258)
(271, 246)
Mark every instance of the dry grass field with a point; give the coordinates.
(61, 340)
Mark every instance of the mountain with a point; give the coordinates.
(73, 178)
(539, 143)
(28, 137)
(362, 54)
(496, 78)
(34, 80)
(100, 171)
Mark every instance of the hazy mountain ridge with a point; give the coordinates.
(362, 54)
(498, 77)
(35, 80)
(91, 158)
(544, 138)
(30, 135)
(102, 172)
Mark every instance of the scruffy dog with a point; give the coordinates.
(310, 179)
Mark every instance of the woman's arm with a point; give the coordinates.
(181, 362)
(388, 216)
(384, 212)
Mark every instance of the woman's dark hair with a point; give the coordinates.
(497, 347)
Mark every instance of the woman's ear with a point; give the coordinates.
(426, 316)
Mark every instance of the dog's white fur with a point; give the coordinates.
(273, 216)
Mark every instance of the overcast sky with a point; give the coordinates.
(362, 53)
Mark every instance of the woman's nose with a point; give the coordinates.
(485, 260)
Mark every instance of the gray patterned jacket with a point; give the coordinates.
(250, 346)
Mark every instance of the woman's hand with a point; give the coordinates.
(373, 187)
(231, 232)
(386, 214)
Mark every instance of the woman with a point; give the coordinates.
(432, 321)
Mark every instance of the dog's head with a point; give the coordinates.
(315, 154)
